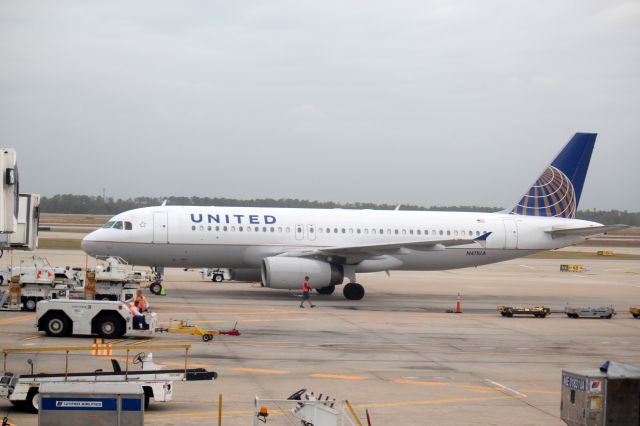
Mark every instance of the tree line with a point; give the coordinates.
(88, 204)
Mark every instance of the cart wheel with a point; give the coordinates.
(636, 315)
(207, 337)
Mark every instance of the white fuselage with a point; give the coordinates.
(241, 237)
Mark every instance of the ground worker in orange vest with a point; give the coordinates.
(305, 293)
(143, 305)
(138, 319)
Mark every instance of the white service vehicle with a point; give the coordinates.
(108, 319)
(217, 275)
(22, 389)
(116, 280)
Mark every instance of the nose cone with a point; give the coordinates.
(89, 244)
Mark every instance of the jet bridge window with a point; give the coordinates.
(108, 224)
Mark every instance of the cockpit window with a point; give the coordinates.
(108, 224)
(118, 225)
(128, 226)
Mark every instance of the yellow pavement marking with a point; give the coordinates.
(32, 337)
(336, 376)
(140, 342)
(116, 341)
(266, 313)
(17, 319)
(259, 370)
(243, 321)
(541, 392)
(419, 382)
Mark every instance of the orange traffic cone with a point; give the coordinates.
(458, 310)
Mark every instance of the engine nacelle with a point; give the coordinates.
(289, 272)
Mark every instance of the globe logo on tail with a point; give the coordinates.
(551, 195)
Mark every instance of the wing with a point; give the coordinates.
(585, 232)
(357, 253)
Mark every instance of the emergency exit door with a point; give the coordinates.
(160, 228)
(510, 234)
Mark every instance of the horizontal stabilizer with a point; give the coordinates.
(585, 232)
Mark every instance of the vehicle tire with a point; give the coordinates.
(636, 315)
(32, 403)
(326, 290)
(148, 393)
(30, 304)
(207, 337)
(109, 326)
(57, 325)
(353, 291)
(155, 288)
(218, 278)
(609, 316)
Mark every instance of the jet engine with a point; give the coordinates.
(289, 272)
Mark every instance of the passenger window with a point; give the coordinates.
(117, 225)
(335, 230)
(248, 229)
(299, 230)
(441, 232)
(358, 230)
(448, 232)
(127, 226)
(344, 231)
(396, 231)
(463, 234)
(418, 232)
(411, 232)
(328, 230)
(373, 231)
(209, 228)
(201, 227)
(240, 228)
(257, 229)
(351, 230)
(217, 228)
(477, 232)
(233, 229)
(108, 225)
(471, 233)
(272, 229)
(319, 230)
(366, 231)
(288, 230)
(224, 228)
(455, 233)
(388, 231)
(264, 229)
(193, 227)
(280, 229)
(433, 232)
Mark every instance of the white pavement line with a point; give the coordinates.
(527, 266)
(506, 388)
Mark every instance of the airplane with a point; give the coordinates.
(280, 246)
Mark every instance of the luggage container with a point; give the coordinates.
(605, 312)
(91, 404)
(536, 311)
(608, 396)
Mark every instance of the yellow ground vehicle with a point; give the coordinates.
(536, 311)
(635, 311)
(183, 327)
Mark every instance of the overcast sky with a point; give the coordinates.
(415, 102)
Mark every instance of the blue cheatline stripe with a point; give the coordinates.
(79, 404)
(131, 404)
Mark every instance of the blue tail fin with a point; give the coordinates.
(557, 191)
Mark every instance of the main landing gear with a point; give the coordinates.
(353, 291)
(156, 285)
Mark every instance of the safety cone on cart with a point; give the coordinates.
(458, 310)
(162, 291)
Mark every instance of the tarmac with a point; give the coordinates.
(396, 353)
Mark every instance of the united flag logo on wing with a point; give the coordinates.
(551, 195)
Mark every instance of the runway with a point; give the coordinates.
(396, 352)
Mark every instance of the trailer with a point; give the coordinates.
(116, 280)
(183, 327)
(22, 390)
(605, 312)
(108, 319)
(536, 311)
(635, 311)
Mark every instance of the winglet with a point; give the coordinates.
(483, 237)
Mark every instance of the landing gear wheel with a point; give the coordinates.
(30, 304)
(298, 395)
(353, 291)
(207, 337)
(155, 288)
(57, 325)
(326, 290)
(218, 278)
